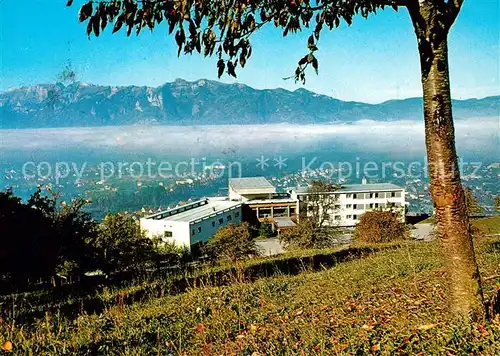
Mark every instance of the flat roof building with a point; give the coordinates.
(192, 223)
(256, 201)
(250, 188)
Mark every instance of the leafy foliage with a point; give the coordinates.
(171, 254)
(29, 247)
(266, 229)
(224, 27)
(497, 204)
(304, 235)
(472, 203)
(315, 229)
(232, 242)
(44, 237)
(380, 226)
(321, 203)
(120, 244)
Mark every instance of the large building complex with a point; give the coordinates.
(255, 200)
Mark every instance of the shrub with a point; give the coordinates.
(380, 226)
(169, 253)
(305, 236)
(232, 242)
(266, 229)
(120, 244)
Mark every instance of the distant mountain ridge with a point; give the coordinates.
(202, 102)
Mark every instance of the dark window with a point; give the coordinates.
(237, 214)
(213, 223)
(221, 221)
(192, 232)
(199, 229)
(229, 218)
(355, 217)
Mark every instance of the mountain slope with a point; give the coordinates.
(202, 102)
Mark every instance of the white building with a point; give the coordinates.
(353, 200)
(256, 201)
(192, 223)
(251, 188)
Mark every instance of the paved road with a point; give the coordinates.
(423, 232)
(270, 246)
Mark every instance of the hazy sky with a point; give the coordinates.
(374, 60)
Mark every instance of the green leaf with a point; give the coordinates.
(303, 60)
(180, 38)
(85, 11)
(96, 25)
(221, 66)
(119, 23)
(315, 64)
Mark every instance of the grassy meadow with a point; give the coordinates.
(385, 299)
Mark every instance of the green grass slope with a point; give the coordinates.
(390, 302)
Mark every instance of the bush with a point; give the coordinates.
(266, 229)
(380, 226)
(232, 242)
(120, 245)
(306, 236)
(171, 254)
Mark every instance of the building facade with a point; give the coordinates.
(192, 223)
(353, 200)
(255, 200)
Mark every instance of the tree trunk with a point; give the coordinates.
(445, 186)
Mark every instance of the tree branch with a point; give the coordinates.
(454, 7)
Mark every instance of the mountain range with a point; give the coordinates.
(202, 102)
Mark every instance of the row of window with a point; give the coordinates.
(220, 222)
(373, 195)
(348, 217)
(370, 206)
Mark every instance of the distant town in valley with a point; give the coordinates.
(141, 194)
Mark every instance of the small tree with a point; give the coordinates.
(169, 253)
(472, 203)
(266, 229)
(120, 244)
(233, 242)
(302, 236)
(315, 228)
(497, 204)
(380, 226)
(321, 203)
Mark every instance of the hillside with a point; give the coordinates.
(202, 102)
(394, 301)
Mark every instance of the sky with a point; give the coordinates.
(372, 61)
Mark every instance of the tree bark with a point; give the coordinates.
(431, 28)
